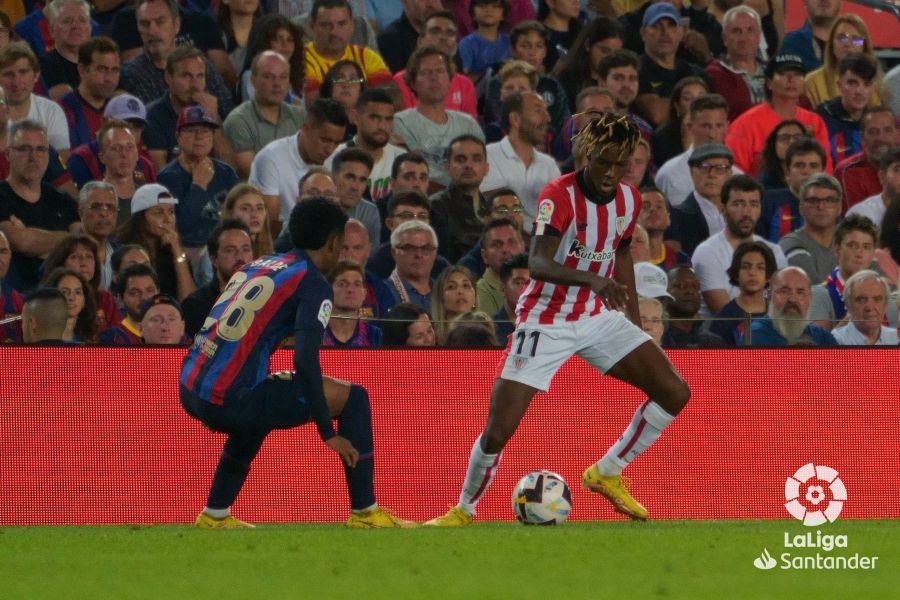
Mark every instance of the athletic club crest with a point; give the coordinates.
(620, 225)
(520, 362)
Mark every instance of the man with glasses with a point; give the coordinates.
(787, 322)
(499, 204)
(34, 215)
(811, 246)
(809, 41)
(855, 241)
(700, 215)
(403, 207)
(742, 202)
(781, 207)
(98, 208)
(414, 249)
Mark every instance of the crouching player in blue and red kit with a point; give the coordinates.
(225, 380)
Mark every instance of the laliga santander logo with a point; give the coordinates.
(819, 483)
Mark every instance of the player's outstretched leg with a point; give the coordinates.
(355, 424)
(649, 369)
(234, 465)
(509, 401)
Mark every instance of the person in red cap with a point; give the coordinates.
(199, 181)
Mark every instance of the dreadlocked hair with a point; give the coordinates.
(609, 129)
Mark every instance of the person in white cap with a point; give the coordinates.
(650, 281)
(152, 225)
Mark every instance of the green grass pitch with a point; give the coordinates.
(662, 559)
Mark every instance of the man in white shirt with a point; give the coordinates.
(742, 199)
(866, 296)
(514, 161)
(707, 123)
(19, 71)
(875, 206)
(277, 169)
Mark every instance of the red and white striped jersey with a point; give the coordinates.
(591, 232)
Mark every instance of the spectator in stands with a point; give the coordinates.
(561, 18)
(33, 214)
(519, 10)
(152, 225)
(266, 117)
(277, 33)
(590, 103)
(98, 65)
(514, 76)
(653, 317)
(640, 245)
(70, 27)
(854, 244)
(229, 248)
(514, 275)
(638, 171)
(357, 248)
(414, 249)
(843, 113)
(408, 325)
(317, 181)
(700, 215)
(81, 325)
(650, 281)
(812, 246)
(858, 174)
(739, 74)
(781, 207)
(502, 203)
(374, 120)
(500, 241)
(809, 42)
(84, 161)
(580, 67)
(655, 220)
(429, 127)
(19, 72)
(486, 45)
(331, 22)
(660, 69)
(78, 252)
(185, 87)
(11, 301)
(453, 294)
(162, 323)
(784, 87)
(199, 181)
(346, 328)
(45, 316)
(98, 210)
(866, 296)
(771, 172)
(344, 82)
(121, 165)
(397, 41)
(848, 35)
(440, 30)
(888, 252)
(409, 173)
(277, 168)
(235, 20)
(454, 209)
(472, 329)
(145, 75)
(685, 329)
(245, 202)
(127, 255)
(875, 207)
(351, 168)
(674, 136)
(618, 73)
(514, 161)
(137, 283)
(742, 203)
(707, 125)
(752, 266)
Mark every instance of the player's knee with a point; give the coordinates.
(679, 397)
(494, 439)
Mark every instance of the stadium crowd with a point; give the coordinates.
(152, 148)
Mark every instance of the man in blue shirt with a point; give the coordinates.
(225, 380)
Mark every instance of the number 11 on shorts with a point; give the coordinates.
(521, 335)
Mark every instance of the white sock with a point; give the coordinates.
(217, 513)
(367, 509)
(482, 468)
(648, 422)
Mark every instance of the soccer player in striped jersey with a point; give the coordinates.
(225, 381)
(582, 279)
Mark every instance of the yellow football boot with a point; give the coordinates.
(377, 518)
(455, 517)
(205, 521)
(613, 488)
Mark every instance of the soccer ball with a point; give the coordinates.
(542, 498)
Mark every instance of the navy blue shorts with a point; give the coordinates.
(273, 404)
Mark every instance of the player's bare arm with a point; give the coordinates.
(624, 275)
(545, 268)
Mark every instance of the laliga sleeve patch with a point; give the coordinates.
(544, 214)
(325, 312)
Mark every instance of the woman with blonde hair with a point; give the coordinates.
(453, 295)
(245, 202)
(848, 34)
